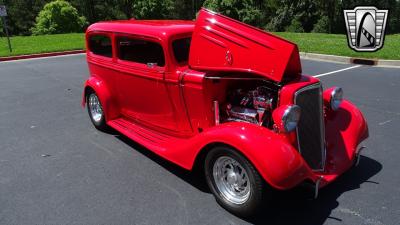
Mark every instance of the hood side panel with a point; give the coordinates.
(220, 43)
(293, 68)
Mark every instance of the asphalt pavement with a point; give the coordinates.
(56, 168)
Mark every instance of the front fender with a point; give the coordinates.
(275, 159)
(107, 100)
(345, 129)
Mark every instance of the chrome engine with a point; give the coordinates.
(253, 106)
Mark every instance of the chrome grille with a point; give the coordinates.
(310, 130)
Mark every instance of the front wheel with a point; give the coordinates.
(235, 183)
(96, 112)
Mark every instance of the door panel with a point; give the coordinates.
(142, 91)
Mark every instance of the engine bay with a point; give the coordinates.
(249, 101)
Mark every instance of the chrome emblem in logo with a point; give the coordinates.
(365, 28)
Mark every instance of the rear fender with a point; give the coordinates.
(106, 99)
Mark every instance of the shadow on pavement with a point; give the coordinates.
(188, 176)
(295, 206)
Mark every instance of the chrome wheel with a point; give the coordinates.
(96, 111)
(231, 180)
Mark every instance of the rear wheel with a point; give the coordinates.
(235, 183)
(95, 110)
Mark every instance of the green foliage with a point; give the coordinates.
(148, 9)
(185, 9)
(305, 12)
(22, 14)
(1, 28)
(322, 26)
(295, 26)
(243, 10)
(58, 17)
(273, 15)
(96, 10)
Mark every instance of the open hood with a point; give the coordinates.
(220, 43)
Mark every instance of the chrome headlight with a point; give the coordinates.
(336, 98)
(291, 117)
(287, 117)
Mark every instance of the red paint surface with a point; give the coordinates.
(169, 109)
(237, 46)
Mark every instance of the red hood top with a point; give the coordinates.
(223, 44)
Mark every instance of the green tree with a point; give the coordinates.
(247, 11)
(295, 26)
(95, 10)
(322, 26)
(21, 14)
(274, 15)
(305, 11)
(1, 28)
(87, 8)
(153, 9)
(58, 17)
(186, 9)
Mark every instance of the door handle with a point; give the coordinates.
(151, 65)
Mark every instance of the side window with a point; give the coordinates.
(181, 49)
(100, 45)
(140, 51)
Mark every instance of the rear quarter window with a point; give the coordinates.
(100, 45)
(181, 49)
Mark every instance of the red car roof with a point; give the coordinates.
(154, 28)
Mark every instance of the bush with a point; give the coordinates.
(322, 26)
(58, 17)
(295, 26)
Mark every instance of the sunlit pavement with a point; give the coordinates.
(55, 168)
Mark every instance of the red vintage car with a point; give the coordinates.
(225, 97)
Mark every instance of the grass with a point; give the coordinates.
(23, 45)
(332, 44)
(336, 44)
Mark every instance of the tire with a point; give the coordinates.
(96, 112)
(226, 171)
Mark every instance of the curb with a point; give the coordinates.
(351, 60)
(322, 57)
(18, 57)
(389, 63)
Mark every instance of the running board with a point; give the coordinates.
(149, 138)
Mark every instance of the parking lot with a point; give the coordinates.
(56, 168)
